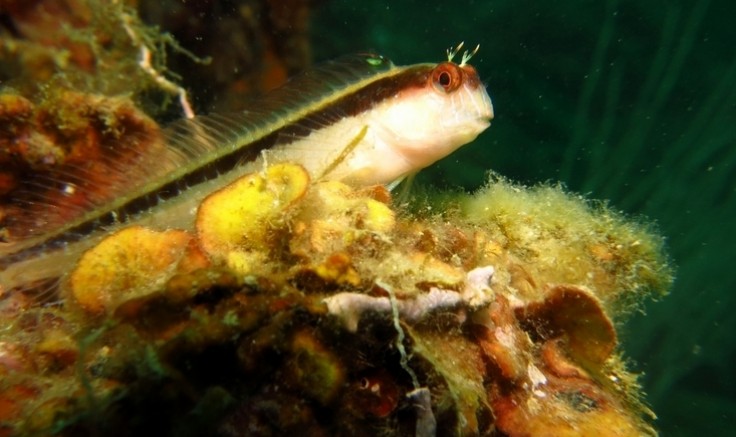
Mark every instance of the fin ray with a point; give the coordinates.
(140, 162)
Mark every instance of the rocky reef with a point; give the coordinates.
(321, 309)
(295, 306)
(78, 76)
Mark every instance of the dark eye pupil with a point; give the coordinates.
(444, 79)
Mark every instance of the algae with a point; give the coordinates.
(458, 323)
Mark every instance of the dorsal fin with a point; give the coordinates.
(132, 165)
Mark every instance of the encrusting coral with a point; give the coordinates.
(313, 307)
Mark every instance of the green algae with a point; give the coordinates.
(549, 228)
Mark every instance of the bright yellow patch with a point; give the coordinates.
(239, 218)
(130, 263)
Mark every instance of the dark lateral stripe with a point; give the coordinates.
(348, 105)
(382, 89)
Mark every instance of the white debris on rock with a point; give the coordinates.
(349, 306)
(537, 379)
(476, 291)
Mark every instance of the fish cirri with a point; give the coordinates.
(359, 119)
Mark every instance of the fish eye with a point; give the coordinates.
(446, 77)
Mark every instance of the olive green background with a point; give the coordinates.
(629, 101)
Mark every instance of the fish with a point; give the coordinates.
(359, 119)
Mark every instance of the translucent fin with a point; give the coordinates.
(130, 166)
(325, 82)
(33, 294)
(401, 188)
(404, 188)
(50, 200)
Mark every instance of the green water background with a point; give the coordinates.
(629, 101)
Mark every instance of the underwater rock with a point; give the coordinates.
(70, 133)
(80, 76)
(458, 363)
(318, 308)
(252, 46)
(374, 394)
(313, 369)
(576, 315)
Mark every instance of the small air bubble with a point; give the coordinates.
(69, 189)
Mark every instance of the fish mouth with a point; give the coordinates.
(488, 114)
(484, 115)
(484, 119)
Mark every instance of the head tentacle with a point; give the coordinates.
(467, 55)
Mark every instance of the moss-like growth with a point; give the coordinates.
(560, 237)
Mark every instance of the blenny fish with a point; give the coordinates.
(359, 119)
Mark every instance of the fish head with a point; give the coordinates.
(442, 109)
